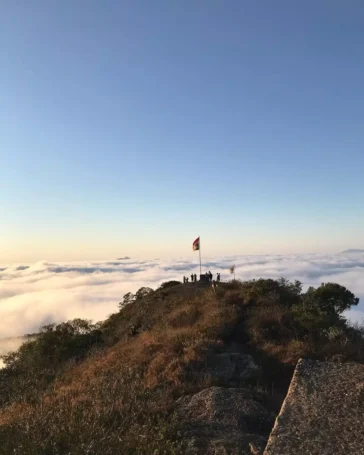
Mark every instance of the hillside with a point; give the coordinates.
(181, 369)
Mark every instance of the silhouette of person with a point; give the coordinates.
(195, 276)
(210, 276)
(184, 279)
(214, 285)
(192, 278)
(218, 277)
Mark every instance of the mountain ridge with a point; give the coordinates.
(161, 374)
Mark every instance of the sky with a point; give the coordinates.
(131, 127)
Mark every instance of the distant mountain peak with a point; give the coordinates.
(353, 250)
(123, 259)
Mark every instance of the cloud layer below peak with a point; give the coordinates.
(44, 292)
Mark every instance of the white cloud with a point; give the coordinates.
(31, 296)
(9, 344)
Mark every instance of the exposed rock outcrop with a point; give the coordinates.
(323, 411)
(222, 421)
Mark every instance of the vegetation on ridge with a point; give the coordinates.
(110, 388)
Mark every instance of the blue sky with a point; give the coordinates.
(130, 127)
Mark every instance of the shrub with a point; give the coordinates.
(320, 310)
(330, 298)
(142, 293)
(279, 291)
(169, 284)
(32, 368)
(127, 300)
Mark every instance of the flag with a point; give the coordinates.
(196, 244)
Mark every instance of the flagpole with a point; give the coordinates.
(199, 250)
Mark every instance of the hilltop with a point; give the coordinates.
(180, 369)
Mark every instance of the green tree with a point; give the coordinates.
(143, 292)
(330, 298)
(321, 309)
(127, 299)
(33, 367)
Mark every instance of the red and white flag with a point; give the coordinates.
(196, 244)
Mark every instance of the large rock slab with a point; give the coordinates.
(323, 412)
(222, 421)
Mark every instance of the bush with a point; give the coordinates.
(32, 368)
(320, 310)
(279, 291)
(330, 298)
(169, 284)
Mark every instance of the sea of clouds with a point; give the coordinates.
(42, 293)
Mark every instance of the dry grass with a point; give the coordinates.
(122, 396)
(119, 399)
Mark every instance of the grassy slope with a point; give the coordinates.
(119, 399)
